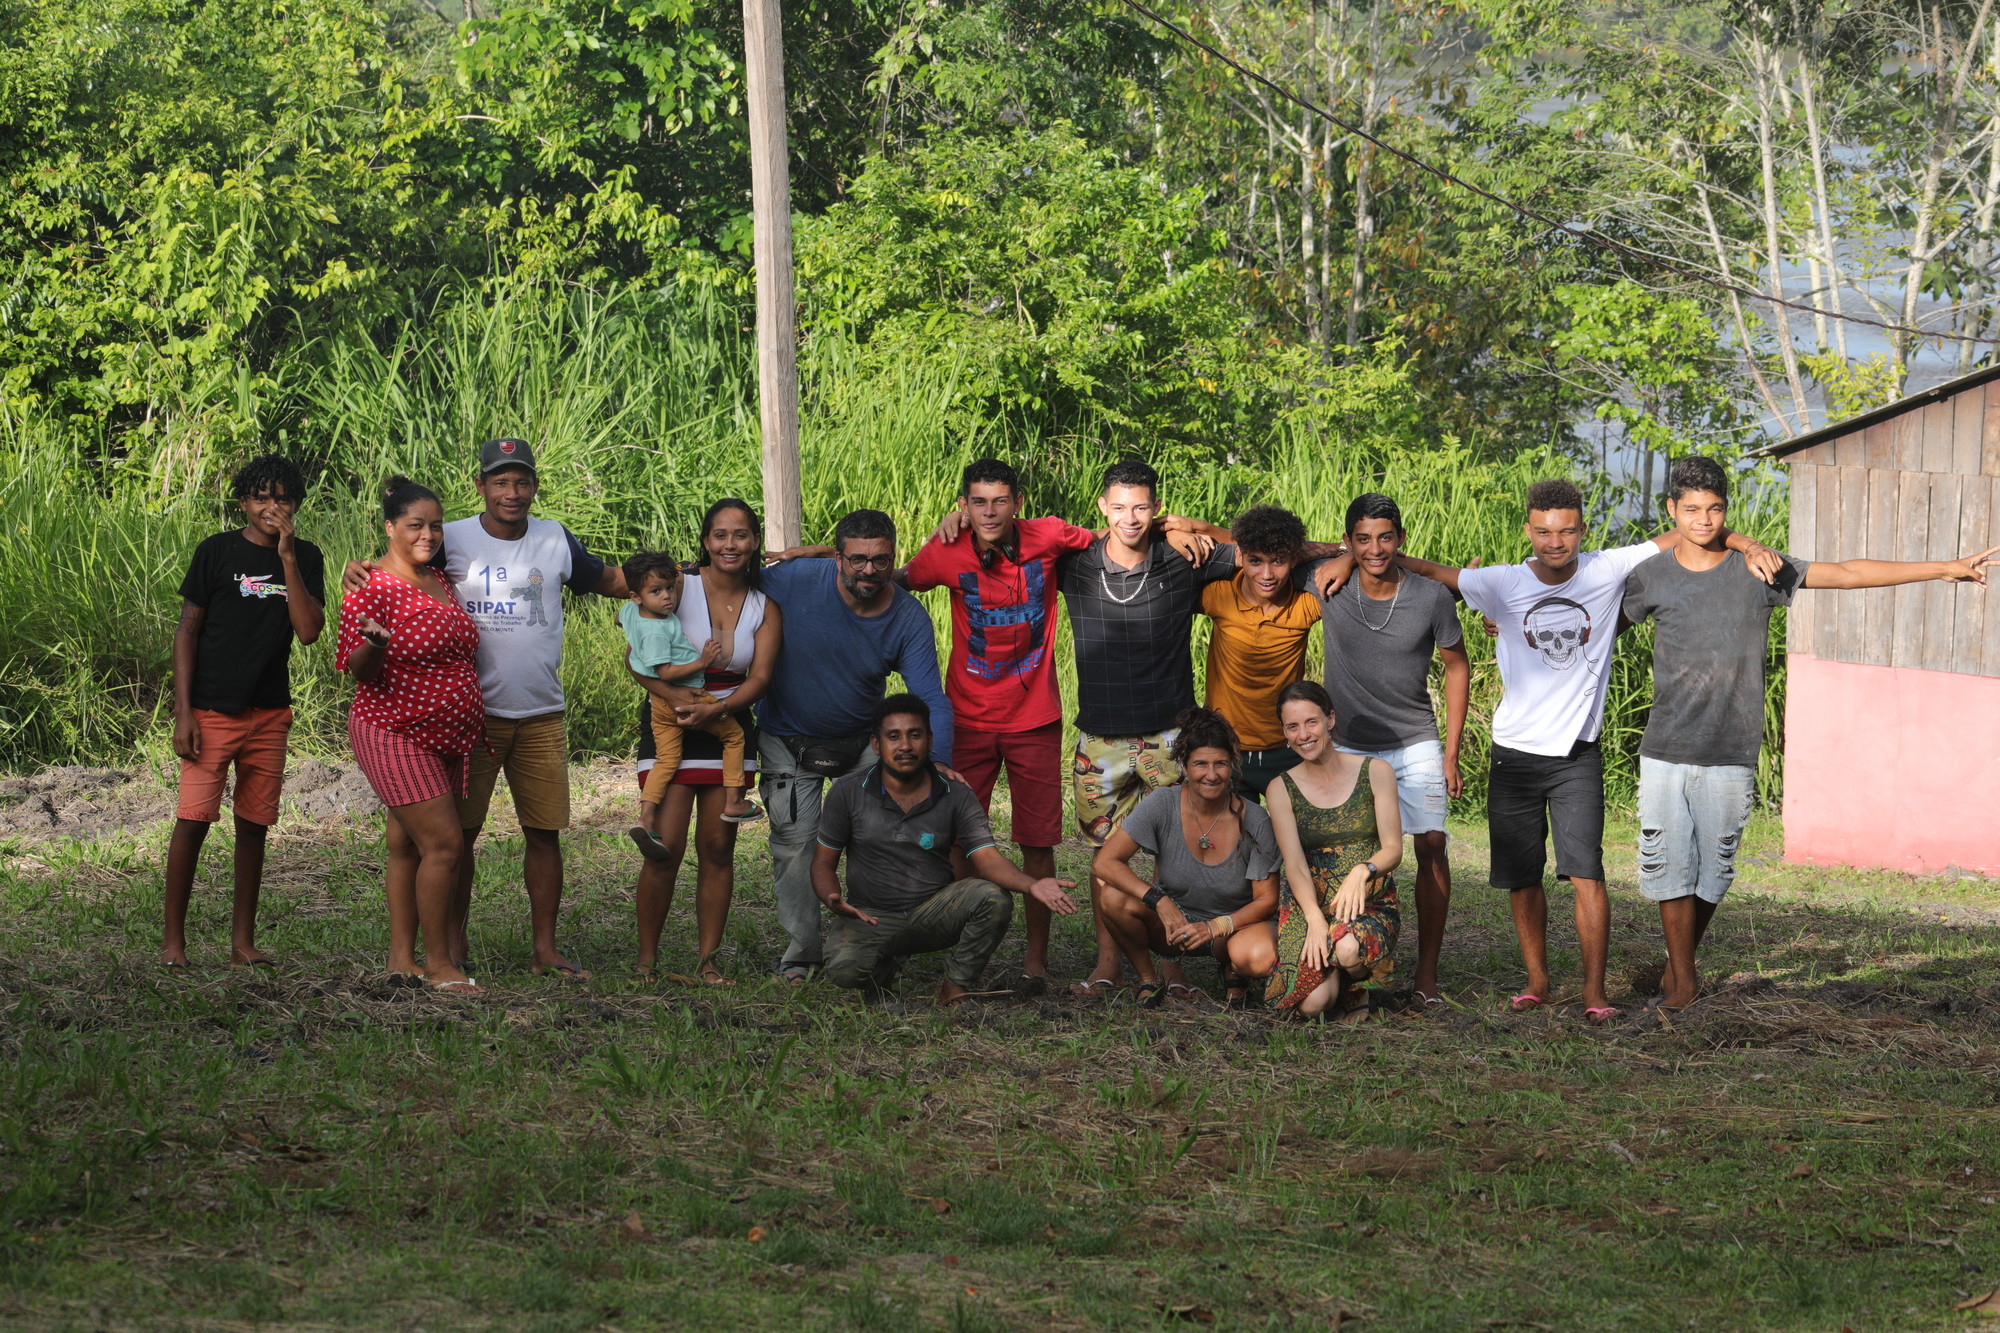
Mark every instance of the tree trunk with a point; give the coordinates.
(1780, 316)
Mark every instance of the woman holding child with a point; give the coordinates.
(1215, 861)
(1341, 833)
(740, 629)
(417, 715)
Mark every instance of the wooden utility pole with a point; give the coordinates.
(771, 215)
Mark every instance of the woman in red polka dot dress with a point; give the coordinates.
(417, 713)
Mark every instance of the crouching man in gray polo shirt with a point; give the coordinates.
(897, 819)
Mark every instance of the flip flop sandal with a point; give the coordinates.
(1235, 991)
(470, 986)
(1031, 985)
(1180, 992)
(649, 846)
(258, 962)
(1090, 990)
(1602, 1015)
(1149, 995)
(1524, 1003)
(756, 815)
(569, 972)
(711, 975)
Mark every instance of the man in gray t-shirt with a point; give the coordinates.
(1382, 628)
(1698, 759)
(896, 821)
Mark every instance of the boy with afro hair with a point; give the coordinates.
(249, 592)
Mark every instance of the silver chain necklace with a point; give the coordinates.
(1363, 597)
(1105, 583)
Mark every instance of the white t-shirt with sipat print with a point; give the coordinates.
(1555, 645)
(513, 592)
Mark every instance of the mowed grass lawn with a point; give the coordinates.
(1815, 1146)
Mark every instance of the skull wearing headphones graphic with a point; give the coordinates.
(1558, 629)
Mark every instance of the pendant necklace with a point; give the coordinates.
(1392, 607)
(1201, 839)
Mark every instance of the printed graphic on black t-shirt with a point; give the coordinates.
(243, 657)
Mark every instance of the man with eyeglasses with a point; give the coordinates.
(847, 627)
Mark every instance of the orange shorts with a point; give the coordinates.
(254, 742)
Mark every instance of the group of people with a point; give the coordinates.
(1272, 816)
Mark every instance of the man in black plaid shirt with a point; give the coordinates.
(1132, 600)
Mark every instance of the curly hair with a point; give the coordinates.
(1270, 531)
(1556, 493)
(641, 564)
(1204, 729)
(269, 474)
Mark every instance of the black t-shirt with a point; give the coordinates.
(1134, 674)
(243, 658)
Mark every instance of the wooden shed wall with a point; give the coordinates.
(1921, 486)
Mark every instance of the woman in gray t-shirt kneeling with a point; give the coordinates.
(1216, 862)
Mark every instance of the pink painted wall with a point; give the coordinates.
(1891, 766)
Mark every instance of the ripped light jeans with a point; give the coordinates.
(1691, 819)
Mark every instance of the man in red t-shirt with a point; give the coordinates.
(1002, 676)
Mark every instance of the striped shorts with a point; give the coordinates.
(403, 771)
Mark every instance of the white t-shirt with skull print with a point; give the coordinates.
(1555, 645)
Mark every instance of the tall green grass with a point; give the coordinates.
(642, 409)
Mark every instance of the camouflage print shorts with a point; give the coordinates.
(1112, 774)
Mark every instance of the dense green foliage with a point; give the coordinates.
(371, 231)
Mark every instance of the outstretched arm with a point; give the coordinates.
(992, 864)
(1889, 573)
(1445, 574)
(1759, 558)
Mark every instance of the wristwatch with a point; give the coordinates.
(1373, 873)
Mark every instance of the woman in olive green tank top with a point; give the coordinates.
(1340, 833)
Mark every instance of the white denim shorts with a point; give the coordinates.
(1419, 783)
(1691, 819)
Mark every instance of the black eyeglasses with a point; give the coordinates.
(868, 561)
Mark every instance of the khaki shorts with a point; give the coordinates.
(534, 753)
(1112, 774)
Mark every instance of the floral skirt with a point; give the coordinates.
(1374, 933)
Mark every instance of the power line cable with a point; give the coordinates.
(1588, 237)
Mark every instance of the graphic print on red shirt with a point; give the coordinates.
(428, 688)
(1003, 624)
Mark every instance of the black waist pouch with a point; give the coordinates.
(826, 756)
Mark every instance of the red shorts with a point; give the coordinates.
(1034, 762)
(253, 741)
(404, 771)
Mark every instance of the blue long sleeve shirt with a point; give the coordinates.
(834, 664)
